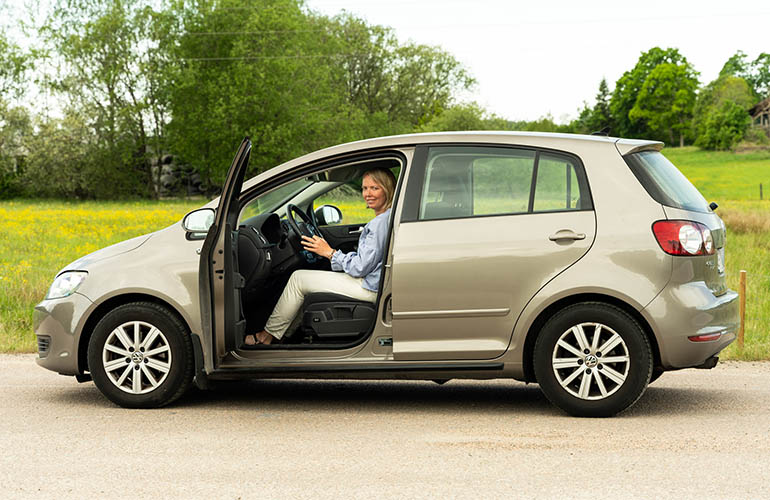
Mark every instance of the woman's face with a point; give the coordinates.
(374, 195)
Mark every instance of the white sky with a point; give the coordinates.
(532, 58)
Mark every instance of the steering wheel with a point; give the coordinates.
(305, 227)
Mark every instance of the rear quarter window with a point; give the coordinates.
(664, 182)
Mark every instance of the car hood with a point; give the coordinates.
(105, 253)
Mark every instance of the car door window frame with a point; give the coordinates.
(416, 183)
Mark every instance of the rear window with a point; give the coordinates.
(664, 182)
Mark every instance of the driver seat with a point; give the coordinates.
(333, 316)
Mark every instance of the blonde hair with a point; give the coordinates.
(386, 180)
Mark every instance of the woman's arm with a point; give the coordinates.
(364, 260)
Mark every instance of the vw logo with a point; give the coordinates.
(591, 361)
(137, 357)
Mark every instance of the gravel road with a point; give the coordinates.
(694, 434)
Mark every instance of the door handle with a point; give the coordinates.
(356, 230)
(567, 234)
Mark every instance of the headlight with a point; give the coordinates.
(65, 284)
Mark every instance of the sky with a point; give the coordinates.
(546, 57)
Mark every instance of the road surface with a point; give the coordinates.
(694, 434)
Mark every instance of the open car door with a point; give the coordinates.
(220, 283)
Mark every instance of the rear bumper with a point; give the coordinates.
(690, 310)
(55, 324)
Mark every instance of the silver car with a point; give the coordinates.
(587, 264)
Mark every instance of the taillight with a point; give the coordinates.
(683, 237)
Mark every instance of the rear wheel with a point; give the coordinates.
(140, 356)
(592, 360)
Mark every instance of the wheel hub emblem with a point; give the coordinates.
(591, 361)
(137, 357)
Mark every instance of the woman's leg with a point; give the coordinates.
(304, 282)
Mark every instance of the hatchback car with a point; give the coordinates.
(587, 264)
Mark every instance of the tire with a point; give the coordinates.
(571, 368)
(140, 356)
(656, 373)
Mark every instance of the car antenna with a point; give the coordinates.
(605, 131)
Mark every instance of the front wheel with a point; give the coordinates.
(140, 356)
(593, 360)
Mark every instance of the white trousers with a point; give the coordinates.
(305, 281)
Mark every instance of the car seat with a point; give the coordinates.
(334, 316)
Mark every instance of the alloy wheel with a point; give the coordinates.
(590, 361)
(136, 357)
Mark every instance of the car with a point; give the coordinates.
(586, 264)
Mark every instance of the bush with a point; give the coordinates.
(755, 135)
(724, 127)
(9, 186)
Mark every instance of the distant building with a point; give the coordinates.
(760, 115)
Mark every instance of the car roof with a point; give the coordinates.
(493, 137)
(488, 136)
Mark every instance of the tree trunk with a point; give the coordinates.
(681, 139)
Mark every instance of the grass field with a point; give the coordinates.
(37, 238)
(723, 175)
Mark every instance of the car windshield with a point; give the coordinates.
(664, 182)
(276, 198)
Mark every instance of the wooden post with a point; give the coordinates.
(742, 293)
(760, 190)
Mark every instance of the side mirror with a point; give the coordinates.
(326, 215)
(198, 221)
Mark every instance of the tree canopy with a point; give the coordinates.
(136, 81)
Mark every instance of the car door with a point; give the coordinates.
(220, 283)
(482, 230)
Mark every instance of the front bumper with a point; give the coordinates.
(688, 310)
(56, 326)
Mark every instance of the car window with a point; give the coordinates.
(347, 197)
(274, 199)
(664, 182)
(557, 186)
(463, 182)
(466, 181)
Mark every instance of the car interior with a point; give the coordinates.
(268, 251)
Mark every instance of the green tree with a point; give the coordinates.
(295, 81)
(14, 63)
(112, 59)
(15, 122)
(759, 77)
(410, 83)
(15, 130)
(630, 84)
(736, 65)
(711, 111)
(601, 115)
(468, 116)
(60, 160)
(266, 72)
(666, 101)
(723, 127)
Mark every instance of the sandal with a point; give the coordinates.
(252, 336)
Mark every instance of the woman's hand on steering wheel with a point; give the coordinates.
(318, 246)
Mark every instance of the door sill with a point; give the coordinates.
(349, 369)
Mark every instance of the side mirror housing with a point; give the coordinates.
(198, 221)
(327, 214)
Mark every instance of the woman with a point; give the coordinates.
(361, 269)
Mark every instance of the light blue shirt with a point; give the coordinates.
(366, 262)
